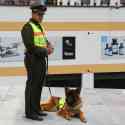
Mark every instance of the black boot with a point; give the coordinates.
(34, 117)
(41, 113)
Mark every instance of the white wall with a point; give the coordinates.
(65, 14)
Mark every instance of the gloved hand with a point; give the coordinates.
(50, 48)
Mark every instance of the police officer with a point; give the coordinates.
(35, 42)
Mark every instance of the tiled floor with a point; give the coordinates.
(102, 106)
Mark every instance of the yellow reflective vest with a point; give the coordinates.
(61, 103)
(40, 39)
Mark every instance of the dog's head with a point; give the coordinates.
(72, 96)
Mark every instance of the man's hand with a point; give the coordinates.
(50, 48)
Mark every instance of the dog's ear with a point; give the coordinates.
(78, 90)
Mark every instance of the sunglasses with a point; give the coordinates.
(40, 14)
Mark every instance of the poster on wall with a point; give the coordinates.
(68, 47)
(112, 47)
(12, 48)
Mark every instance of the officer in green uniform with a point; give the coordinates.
(35, 42)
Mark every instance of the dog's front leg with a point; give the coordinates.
(67, 117)
(64, 113)
(82, 117)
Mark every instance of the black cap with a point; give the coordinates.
(37, 5)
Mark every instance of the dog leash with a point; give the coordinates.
(47, 74)
(50, 91)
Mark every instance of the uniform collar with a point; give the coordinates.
(34, 21)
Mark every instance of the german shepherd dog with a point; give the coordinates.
(68, 107)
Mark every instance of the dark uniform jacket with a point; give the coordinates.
(28, 37)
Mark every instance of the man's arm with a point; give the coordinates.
(27, 37)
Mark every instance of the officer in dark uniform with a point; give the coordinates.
(35, 42)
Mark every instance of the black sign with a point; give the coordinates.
(69, 47)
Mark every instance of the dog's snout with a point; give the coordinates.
(70, 100)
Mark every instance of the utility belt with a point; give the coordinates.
(37, 53)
